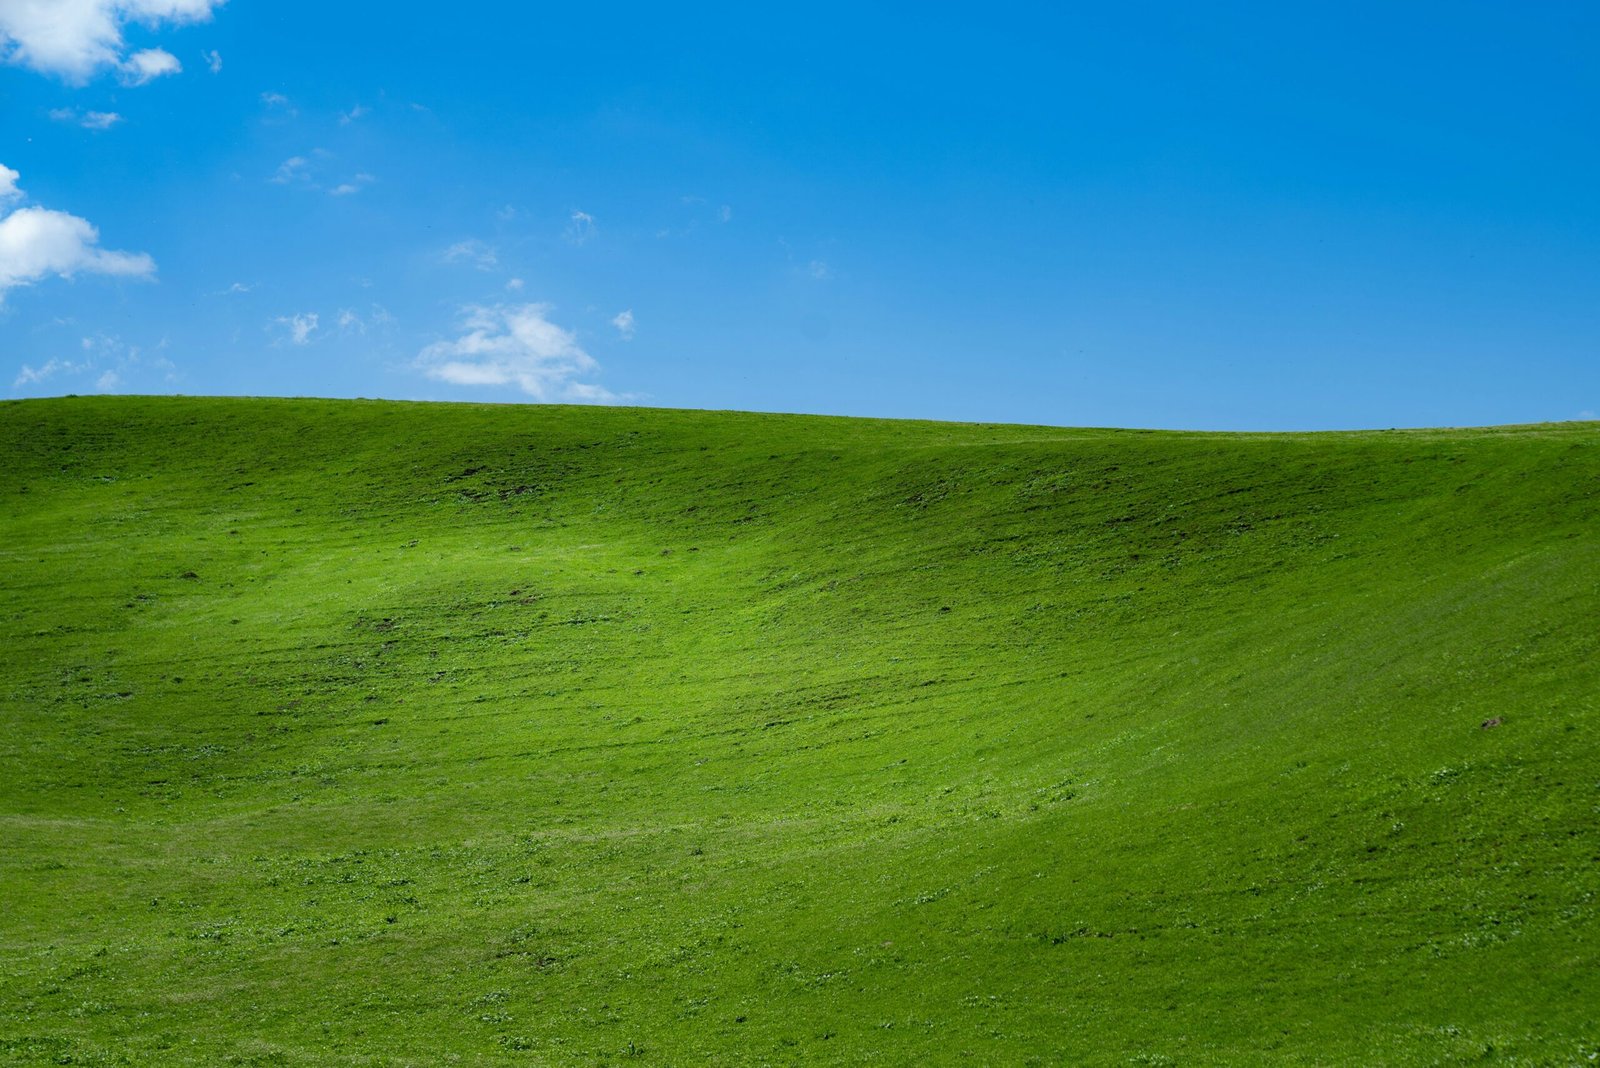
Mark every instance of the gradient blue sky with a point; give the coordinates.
(1247, 216)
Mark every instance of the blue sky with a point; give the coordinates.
(1230, 216)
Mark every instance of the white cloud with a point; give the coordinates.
(515, 285)
(350, 322)
(213, 60)
(36, 243)
(290, 170)
(585, 393)
(277, 102)
(354, 185)
(301, 326)
(725, 213)
(473, 251)
(237, 287)
(581, 228)
(108, 361)
(89, 120)
(75, 39)
(310, 172)
(146, 65)
(515, 345)
(819, 270)
(624, 324)
(355, 113)
(30, 375)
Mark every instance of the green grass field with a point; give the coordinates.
(342, 732)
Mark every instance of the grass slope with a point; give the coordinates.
(371, 733)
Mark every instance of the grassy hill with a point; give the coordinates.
(385, 734)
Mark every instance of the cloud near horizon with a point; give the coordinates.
(77, 39)
(30, 375)
(105, 364)
(515, 345)
(36, 243)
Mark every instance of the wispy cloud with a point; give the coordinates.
(28, 376)
(819, 271)
(279, 106)
(89, 120)
(146, 65)
(354, 185)
(310, 172)
(213, 60)
(37, 243)
(514, 285)
(580, 228)
(292, 169)
(515, 345)
(76, 39)
(624, 324)
(474, 252)
(107, 361)
(354, 114)
(302, 327)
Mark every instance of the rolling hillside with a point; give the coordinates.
(338, 732)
